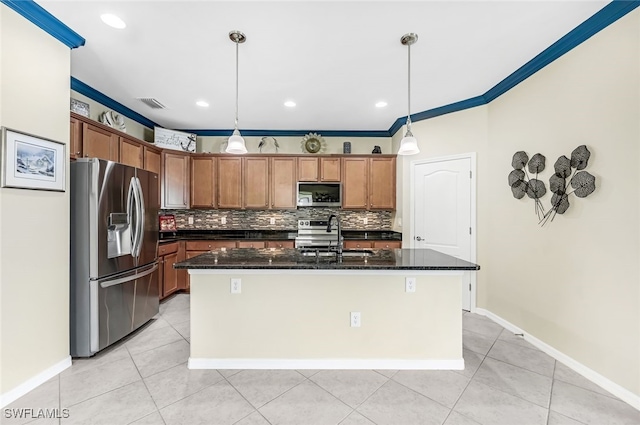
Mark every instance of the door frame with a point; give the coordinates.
(474, 226)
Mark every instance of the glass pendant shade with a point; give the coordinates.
(235, 144)
(408, 145)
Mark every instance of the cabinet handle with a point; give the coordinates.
(78, 153)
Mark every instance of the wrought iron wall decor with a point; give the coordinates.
(567, 173)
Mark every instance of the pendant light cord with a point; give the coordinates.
(409, 85)
(237, 85)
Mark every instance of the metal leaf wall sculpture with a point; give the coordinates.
(582, 182)
(567, 173)
(522, 184)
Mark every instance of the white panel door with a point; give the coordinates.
(442, 211)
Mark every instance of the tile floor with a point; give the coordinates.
(144, 380)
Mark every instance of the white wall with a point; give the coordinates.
(574, 284)
(34, 225)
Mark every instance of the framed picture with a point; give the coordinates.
(173, 139)
(32, 162)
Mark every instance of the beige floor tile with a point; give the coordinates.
(162, 358)
(152, 338)
(395, 404)
(456, 418)
(565, 374)
(184, 329)
(179, 382)
(489, 406)
(481, 325)
(472, 361)
(443, 386)
(305, 404)
(591, 408)
(121, 406)
(510, 337)
(110, 354)
(356, 418)
(556, 418)
(533, 360)
(352, 387)
(253, 419)
(261, 386)
(477, 343)
(27, 408)
(153, 419)
(218, 404)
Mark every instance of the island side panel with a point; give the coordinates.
(307, 317)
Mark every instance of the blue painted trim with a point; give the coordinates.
(285, 133)
(99, 97)
(43, 19)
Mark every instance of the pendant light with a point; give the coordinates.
(409, 144)
(235, 144)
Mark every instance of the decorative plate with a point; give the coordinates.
(313, 143)
(113, 120)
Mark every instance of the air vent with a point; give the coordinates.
(152, 103)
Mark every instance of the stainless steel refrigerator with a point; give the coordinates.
(114, 239)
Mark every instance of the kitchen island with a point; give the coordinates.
(288, 309)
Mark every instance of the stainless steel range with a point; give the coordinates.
(313, 234)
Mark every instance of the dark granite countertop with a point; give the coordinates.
(286, 234)
(292, 259)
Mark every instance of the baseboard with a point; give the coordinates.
(604, 382)
(32, 383)
(381, 364)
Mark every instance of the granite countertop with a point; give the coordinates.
(286, 234)
(292, 259)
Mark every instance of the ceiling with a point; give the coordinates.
(335, 59)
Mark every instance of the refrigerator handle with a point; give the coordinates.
(133, 205)
(129, 277)
(141, 214)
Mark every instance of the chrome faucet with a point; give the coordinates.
(339, 242)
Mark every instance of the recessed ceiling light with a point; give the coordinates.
(381, 104)
(113, 21)
(202, 103)
(290, 104)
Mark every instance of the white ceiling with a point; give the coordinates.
(335, 59)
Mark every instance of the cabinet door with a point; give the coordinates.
(256, 183)
(152, 160)
(161, 277)
(130, 152)
(175, 180)
(75, 142)
(382, 183)
(203, 182)
(283, 183)
(355, 183)
(308, 169)
(280, 244)
(170, 284)
(330, 169)
(229, 182)
(99, 143)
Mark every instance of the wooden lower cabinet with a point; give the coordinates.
(251, 244)
(169, 278)
(281, 244)
(372, 244)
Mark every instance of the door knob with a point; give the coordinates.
(418, 238)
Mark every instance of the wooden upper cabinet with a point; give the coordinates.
(175, 180)
(131, 152)
(229, 182)
(152, 159)
(256, 183)
(321, 169)
(308, 169)
(99, 143)
(330, 169)
(382, 183)
(75, 142)
(283, 183)
(203, 182)
(355, 189)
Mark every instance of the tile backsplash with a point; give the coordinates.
(283, 219)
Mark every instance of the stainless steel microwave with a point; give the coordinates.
(319, 194)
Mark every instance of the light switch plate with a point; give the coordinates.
(272, 220)
(190, 219)
(223, 220)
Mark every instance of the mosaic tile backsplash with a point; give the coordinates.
(284, 219)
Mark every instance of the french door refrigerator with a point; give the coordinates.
(114, 239)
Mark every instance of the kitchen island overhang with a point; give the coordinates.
(295, 313)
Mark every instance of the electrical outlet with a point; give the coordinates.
(410, 284)
(355, 319)
(365, 220)
(223, 220)
(236, 285)
(272, 220)
(190, 219)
